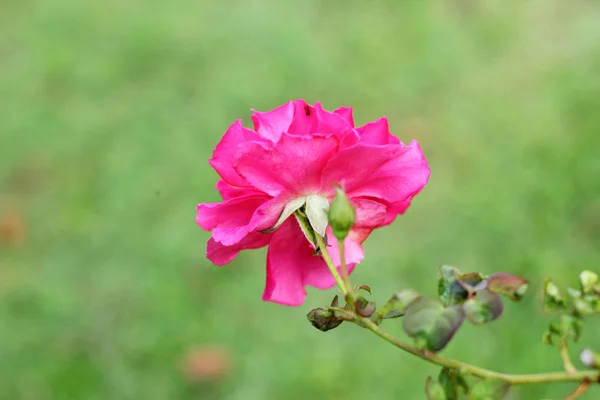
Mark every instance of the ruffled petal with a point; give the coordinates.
(377, 133)
(231, 220)
(294, 165)
(288, 256)
(345, 113)
(229, 192)
(305, 118)
(292, 265)
(370, 215)
(272, 124)
(224, 153)
(220, 254)
(331, 123)
(390, 173)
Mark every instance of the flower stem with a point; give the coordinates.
(564, 353)
(345, 275)
(524, 379)
(584, 377)
(330, 265)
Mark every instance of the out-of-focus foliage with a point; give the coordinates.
(109, 111)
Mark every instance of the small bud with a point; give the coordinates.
(323, 320)
(589, 358)
(341, 214)
(363, 307)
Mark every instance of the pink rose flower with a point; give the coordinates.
(283, 172)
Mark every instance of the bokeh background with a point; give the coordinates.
(110, 110)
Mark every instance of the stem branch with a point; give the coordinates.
(585, 377)
(332, 269)
(564, 353)
(343, 265)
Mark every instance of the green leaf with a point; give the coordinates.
(449, 290)
(434, 390)
(553, 299)
(484, 307)
(471, 281)
(307, 229)
(588, 281)
(451, 379)
(489, 389)
(454, 287)
(514, 287)
(430, 323)
(397, 304)
(571, 326)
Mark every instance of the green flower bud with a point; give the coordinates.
(341, 214)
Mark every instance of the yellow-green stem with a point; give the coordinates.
(523, 379)
(564, 353)
(345, 275)
(330, 265)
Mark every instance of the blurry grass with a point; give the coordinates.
(110, 110)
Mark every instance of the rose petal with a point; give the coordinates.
(345, 113)
(231, 220)
(272, 124)
(220, 254)
(390, 173)
(305, 118)
(294, 165)
(331, 123)
(377, 133)
(229, 192)
(292, 265)
(224, 153)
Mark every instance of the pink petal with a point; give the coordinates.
(345, 113)
(221, 255)
(377, 133)
(294, 165)
(291, 265)
(396, 209)
(272, 124)
(331, 123)
(229, 192)
(229, 221)
(369, 213)
(288, 256)
(321, 277)
(225, 152)
(390, 173)
(305, 118)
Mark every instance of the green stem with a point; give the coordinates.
(564, 353)
(345, 275)
(330, 265)
(433, 358)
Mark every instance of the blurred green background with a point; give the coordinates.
(110, 110)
